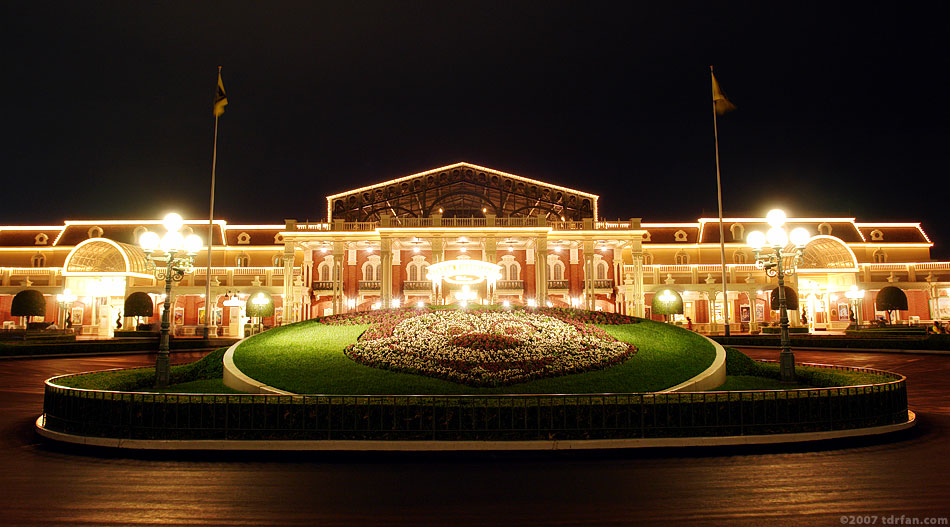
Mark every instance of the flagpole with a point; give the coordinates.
(209, 309)
(722, 237)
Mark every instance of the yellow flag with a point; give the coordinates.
(221, 98)
(720, 102)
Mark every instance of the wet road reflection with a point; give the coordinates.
(47, 484)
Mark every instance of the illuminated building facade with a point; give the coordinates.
(470, 234)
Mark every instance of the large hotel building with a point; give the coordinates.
(465, 233)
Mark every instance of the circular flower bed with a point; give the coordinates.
(487, 348)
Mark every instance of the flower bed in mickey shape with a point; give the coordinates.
(487, 348)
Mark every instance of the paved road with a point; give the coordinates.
(44, 484)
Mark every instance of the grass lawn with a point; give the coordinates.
(185, 378)
(744, 373)
(751, 382)
(307, 357)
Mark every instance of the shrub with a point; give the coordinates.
(889, 299)
(263, 310)
(738, 363)
(28, 303)
(139, 304)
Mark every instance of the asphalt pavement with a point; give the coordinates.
(850, 482)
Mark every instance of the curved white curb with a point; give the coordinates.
(236, 379)
(466, 446)
(710, 378)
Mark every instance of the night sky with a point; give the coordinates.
(842, 111)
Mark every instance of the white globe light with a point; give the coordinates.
(149, 241)
(172, 242)
(775, 217)
(777, 237)
(755, 239)
(193, 244)
(173, 222)
(799, 236)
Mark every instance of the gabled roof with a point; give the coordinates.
(488, 191)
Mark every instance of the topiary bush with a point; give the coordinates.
(889, 299)
(139, 304)
(263, 310)
(28, 303)
(791, 299)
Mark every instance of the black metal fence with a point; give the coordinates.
(472, 418)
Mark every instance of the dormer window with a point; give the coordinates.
(738, 232)
(94, 232)
(244, 238)
(680, 236)
(41, 239)
(824, 229)
(877, 235)
(646, 236)
(278, 238)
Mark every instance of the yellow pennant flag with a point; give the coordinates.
(221, 98)
(720, 102)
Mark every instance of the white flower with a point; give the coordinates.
(488, 348)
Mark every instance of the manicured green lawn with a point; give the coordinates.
(307, 357)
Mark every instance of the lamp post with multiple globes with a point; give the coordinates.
(773, 262)
(854, 295)
(170, 257)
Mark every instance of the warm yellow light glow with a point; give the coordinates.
(193, 244)
(463, 271)
(756, 240)
(777, 237)
(799, 236)
(173, 222)
(172, 241)
(775, 217)
(149, 241)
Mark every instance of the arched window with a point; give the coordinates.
(556, 269)
(371, 269)
(880, 256)
(647, 258)
(323, 271)
(94, 232)
(601, 272)
(278, 261)
(242, 260)
(681, 258)
(825, 229)
(510, 269)
(39, 260)
(416, 269)
(739, 257)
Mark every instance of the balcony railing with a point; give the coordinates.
(509, 285)
(423, 285)
(603, 284)
(557, 284)
(351, 226)
(322, 286)
(369, 285)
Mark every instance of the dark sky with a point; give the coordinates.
(842, 109)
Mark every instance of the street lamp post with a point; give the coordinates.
(260, 301)
(170, 257)
(773, 263)
(65, 298)
(854, 294)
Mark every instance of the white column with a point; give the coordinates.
(386, 273)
